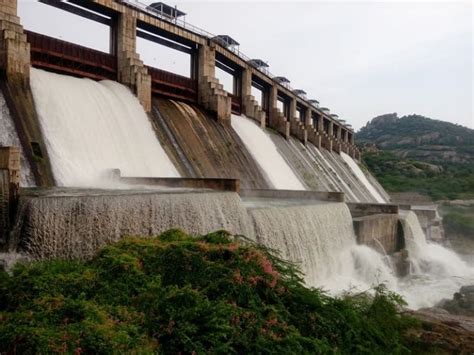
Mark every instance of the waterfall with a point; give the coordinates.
(266, 154)
(361, 176)
(90, 127)
(9, 137)
(321, 240)
(75, 224)
(317, 236)
(436, 272)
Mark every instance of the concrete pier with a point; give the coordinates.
(15, 85)
(9, 187)
(131, 70)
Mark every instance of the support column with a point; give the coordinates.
(331, 129)
(272, 104)
(131, 70)
(313, 134)
(9, 186)
(277, 119)
(352, 139)
(15, 83)
(246, 80)
(250, 106)
(211, 94)
(307, 118)
(292, 115)
(338, 132)
(14, 48)
(297, 128)
(207, 61)
(320, 127)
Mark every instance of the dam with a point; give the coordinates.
(96, 146)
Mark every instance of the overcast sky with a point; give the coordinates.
(360, 59)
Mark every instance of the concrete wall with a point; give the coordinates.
(200, 147)
(9, 187)
(380, 232)
(4, 205)
(367, 209)
(292, 194)
(15, 85)
(219, 184)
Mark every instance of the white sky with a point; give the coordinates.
(360, 59)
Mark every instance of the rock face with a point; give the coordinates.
(442, 333)
(420, 138)
(448, 328)
(462, 302)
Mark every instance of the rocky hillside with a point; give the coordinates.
(420, 138)
(418, 154)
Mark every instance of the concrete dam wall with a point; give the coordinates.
(201, 147)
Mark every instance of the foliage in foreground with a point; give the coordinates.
(177, 294)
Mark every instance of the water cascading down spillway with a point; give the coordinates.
(266, 154)
(321, 240)
(90, 127)
(435, 271)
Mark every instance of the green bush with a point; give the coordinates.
(177, 294)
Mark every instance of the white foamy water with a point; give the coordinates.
(90, 127)
(361, 176)
(264, 151)
(9, 138)
(436, 272)
(321, 240)
(53, 226)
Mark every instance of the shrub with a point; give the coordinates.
(177, 294)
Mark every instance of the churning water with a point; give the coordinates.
(436, 272)
(90, 127)
(321, 240)
(266, 154)
(9, 137)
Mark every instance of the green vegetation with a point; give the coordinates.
(458, 220)
(420, 138)
(395, 174)
(177, 294)
(419, 154)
